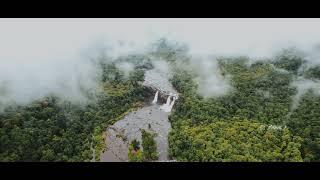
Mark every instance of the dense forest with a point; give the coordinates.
(256, 121)
(52, 129)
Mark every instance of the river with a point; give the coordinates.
(152, 117)
(124, 131)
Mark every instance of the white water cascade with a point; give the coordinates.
(168, 101)
(155, 100)
(169, 104)
(172, 103)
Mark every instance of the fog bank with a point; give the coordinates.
(43, 56)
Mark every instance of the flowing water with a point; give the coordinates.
(155, 100)
(153, 117)
(124, 131)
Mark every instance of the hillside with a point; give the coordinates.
(261, 110)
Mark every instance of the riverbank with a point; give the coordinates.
(119, 135)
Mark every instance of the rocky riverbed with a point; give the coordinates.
(153, 117)
(124, 131)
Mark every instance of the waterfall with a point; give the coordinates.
(167, 107)
(172, 103)
(155, 98)
(168, 101)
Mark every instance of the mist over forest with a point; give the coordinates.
(249, 89)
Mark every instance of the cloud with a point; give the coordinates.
(303, 86)
(43, 56)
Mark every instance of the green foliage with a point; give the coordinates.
(234, 141)
(304, 121)
(169, 50)
(149, 146)
(239, 126)
(313, 73)
(135, 154)
(55, 130)
(135, 144)
(262, 93)
(290, 60)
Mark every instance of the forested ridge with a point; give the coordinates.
(255, 121)
(52, 129)
(258, 120)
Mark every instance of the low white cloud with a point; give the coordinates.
(303, 86)
(43, 56)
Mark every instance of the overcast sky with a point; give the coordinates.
(41, 38)
(35, 54)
